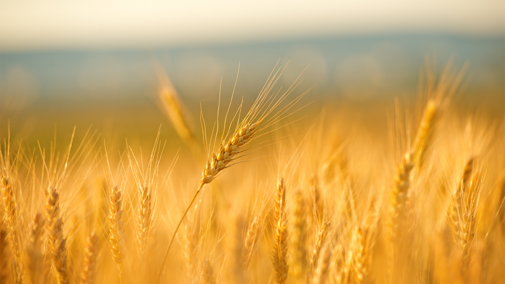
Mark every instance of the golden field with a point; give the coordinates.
(276, 190)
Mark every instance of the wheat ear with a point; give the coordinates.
(323, 265)
(207, 273)
(425, 132)
(298, 236)
(320, 242)
(462, 211)
(361, 255)
(33, 252)
(190, 244)
(397, 200)
(229, 150)
(88, 273)
(144, 218)
(116, 228)
(251, 239)
(280, 249)
(10, 221)
(56, 242)
(4, 259)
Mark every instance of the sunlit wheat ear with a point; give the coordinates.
(144, 218)
(251, 239)
(208, 276)
(425, 132)
(10, 220)
(463, 210)
(323, 264)
(317, 199)
(298, 236)
(115, 221)
(455, 209)
(361, 255)
(176, 111)
(320, 242)
(265, 111)
(280, 248)
(56, 242)
(4, 258)
(399, 193)
(397, 200)
(34, 257)
(189, 249)
(88, 273)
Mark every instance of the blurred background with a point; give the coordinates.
(82, 63)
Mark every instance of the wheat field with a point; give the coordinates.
(266, 194)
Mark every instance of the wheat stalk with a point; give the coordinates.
(56, 242)
(280, 248)
(88, 273)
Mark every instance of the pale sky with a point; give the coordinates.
(65, 24)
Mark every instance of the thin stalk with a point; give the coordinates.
(177, 229)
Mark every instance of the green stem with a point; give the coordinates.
(175, 232)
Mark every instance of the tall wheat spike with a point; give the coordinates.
(144, 218)
(207, 273)
(251, 239)
(463, 209)
(280, 247)
(4, 258)
(257, 118)
(319, 243)
(298, 236)
(115, 235)
(189, 251)
(34, 257)
(361, 255)
(397, 200)
(11, 220)
(57, 247)
(323, 265)
(88, 273)
(177, 112)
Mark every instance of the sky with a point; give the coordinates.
(32, 25)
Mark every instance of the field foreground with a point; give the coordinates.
(282, 196)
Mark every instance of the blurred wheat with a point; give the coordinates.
(347, 209)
